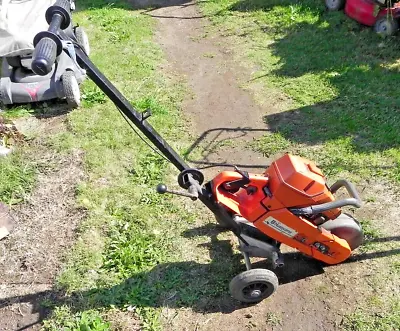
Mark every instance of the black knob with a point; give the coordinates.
(161, 188)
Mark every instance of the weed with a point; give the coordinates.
(209, 55)
(274, 319)
(92, 95)
(17, 176)
(86, 321)
(370, 232)
(17, 112)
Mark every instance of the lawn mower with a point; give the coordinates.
(290, 203)
(383, 15)
(20, 21)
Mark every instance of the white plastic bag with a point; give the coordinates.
(20, 21)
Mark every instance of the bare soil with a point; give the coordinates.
(30, 257)
(226, 119)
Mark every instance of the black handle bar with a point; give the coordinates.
(317, 209)
(47, 43)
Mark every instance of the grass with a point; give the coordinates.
(341, 78)
(17, 170)
(124, 235)
(17, 177)
(274, 319)
(129, 254)
(65, 320)
(338, 84)
(388, 319)
(132, 252)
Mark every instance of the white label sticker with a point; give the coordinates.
(280, 227)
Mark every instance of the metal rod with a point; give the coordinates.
(247, 260)
(124, 105)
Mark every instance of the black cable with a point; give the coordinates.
(141, 138)
(129, 122)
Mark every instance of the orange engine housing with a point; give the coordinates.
(290, 181)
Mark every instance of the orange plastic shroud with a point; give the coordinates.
(290, 181)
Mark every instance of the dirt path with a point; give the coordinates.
(43, 231)
(226, 119)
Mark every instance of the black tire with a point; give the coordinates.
(335, 5)
(253, 285)
(14, 61)
(71, 89)
(82, 39)
(347, 228)
(386, 26)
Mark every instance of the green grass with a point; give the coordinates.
(130, 253)
(18, 169)
(341, 77)
(89, 320)
(17, 112)
(387, 319)
(124, 235)
(17, 177)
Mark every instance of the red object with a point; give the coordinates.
(291, 181)
(367, 12)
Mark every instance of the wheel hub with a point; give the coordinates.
(255, 290)
(255, 293)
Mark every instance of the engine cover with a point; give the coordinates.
(297, 182)
(290, 181)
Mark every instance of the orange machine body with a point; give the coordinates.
(290, 182)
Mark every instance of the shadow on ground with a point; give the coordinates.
(210, 142)
(360, 68)
(203, 287)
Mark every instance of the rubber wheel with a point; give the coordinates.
(386, 26)
(253, 285)
(347, 228)
(71, 89)
(335, 5)
(82, 39)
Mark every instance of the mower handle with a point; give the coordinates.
(47, 43)
(318, 209)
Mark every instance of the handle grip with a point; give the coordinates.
(317, 209)
(192, 191)
(44, 56)
(47, 43)
(349, 187)
(61, 8)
